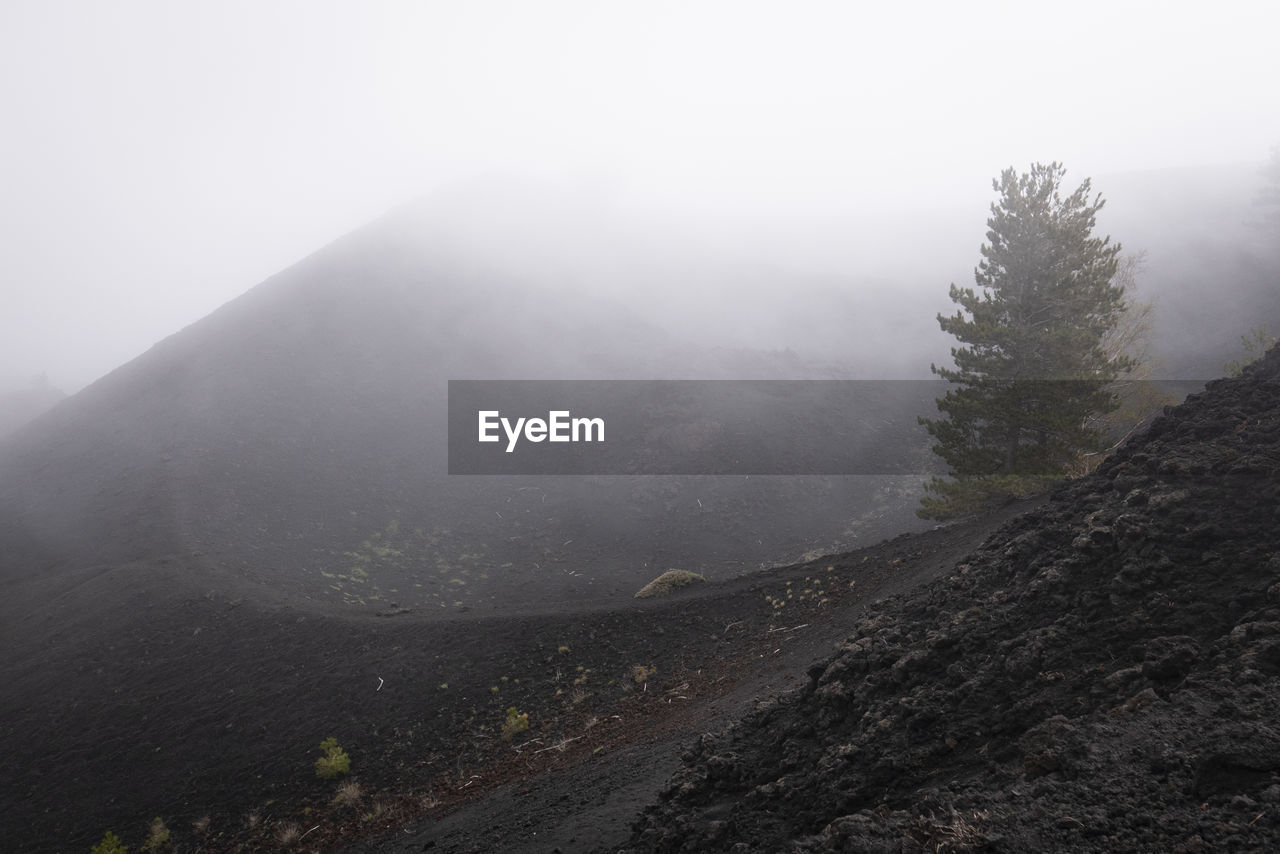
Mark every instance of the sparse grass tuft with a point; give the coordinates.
(953, 832)
(348, 794)
(668, 582)
(288, 835)
(516, 722)
(157, 837)
(640, 673)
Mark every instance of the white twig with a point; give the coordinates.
(381, 682)
(558, 745)
(317, 827)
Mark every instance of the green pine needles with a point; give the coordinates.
(1033, 372)
(335, 761)
(110, 844)
(515, 723)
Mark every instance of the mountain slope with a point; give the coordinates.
(1104, 674)
(19, 406)
(216, 555)
(293, 443)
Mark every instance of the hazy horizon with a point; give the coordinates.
(163, 159)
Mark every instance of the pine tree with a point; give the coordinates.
(1034, 370)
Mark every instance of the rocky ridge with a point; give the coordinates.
(1103, 674)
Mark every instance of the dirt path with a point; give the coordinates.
(589, 804)
(223, 750)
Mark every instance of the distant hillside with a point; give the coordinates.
(208, 554)
(1212, 265)
(21, 405)
(296, 435)
(292, 443)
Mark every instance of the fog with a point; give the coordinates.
(159, 159)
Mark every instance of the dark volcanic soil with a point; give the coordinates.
(207, 711)
(1102, 675)
(1099, 674)
(244, 542)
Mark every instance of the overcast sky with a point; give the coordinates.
(159, 158)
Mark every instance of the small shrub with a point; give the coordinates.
(335, 761)
(110, 844)
(668, 582)
(640, 674)
(516, 722)
(1255, 345)
(157, 837)
(349, 794)
(288, 835)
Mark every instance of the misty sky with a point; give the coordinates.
(159, 158)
